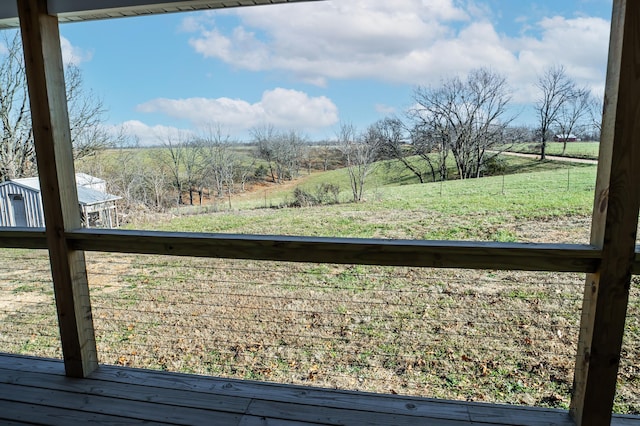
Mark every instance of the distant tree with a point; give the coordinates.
(281, 150)
(194, 167)
(360, 152)
(573, 113)
(170, 157)
(307, 157)
(290, 153)
(596, 107)
(86, 117)
(329, 155)
(393, 144)
(467, 117)
(519, 134)
(556, 89)
(17, 153)
(265, 139)
(432, 146)
(219, 158)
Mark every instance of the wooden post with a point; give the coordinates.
(45, 77)
(614, 226)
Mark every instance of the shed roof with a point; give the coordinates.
(85, 179)
(86, 196)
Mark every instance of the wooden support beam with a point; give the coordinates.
(439, 254)
(615, 221)
(27, 238)
(47, 95)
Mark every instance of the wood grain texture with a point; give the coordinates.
(587, 260)
(34, 390)
(439, 254)
(31, 238)
(615, 221)
(50, 120)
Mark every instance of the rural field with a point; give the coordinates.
(495, 336)
(588, 150)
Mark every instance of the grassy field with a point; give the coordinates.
(474, 335)
(587, 150)
(552, 205)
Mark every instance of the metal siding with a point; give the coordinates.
(32, 205)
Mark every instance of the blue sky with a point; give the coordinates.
(309, 66)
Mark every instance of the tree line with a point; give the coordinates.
(468, 121)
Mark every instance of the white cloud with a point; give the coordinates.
(283, 108)
(72, 54)
(404, 41)
(145, 135)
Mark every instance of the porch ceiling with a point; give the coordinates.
(82, 10)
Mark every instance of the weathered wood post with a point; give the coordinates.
(47, 95)
(615, 221)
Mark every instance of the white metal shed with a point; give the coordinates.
(21, 203)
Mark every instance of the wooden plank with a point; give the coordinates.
(90, 403)
(336, 416)
(29, 363)
(47, 95)
(306, 405)
(267, 421)
(615, 222)
(395, 404)
(127, 391)
(619, 420)
(20, 413)
(283, 393)
(440, 254)
(519, 416)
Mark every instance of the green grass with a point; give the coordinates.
(587, 150)
(483, 209)
(384, 176)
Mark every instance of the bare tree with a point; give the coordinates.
(466, 117)
(556, 89)
(192, 160)
(596, 106)
(171, 158)
(281, 150)
(290, 153)
(572, 114)
(390, 133)
(86, 117)
(264, 137)
(221, 161)
(17, 154)
(360, 152)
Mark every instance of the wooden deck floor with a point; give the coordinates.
(35, 391)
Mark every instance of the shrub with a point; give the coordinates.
(260, 172)
(325, 193)
(494, 166)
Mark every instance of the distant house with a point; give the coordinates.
(21, 203)
(566, 138)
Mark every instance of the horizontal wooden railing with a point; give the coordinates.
(439, 254)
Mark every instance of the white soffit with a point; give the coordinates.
(85, 10)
